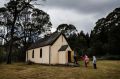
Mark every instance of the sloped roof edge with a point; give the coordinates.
(46, 41)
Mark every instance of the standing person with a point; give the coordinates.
(94, 62)
(86, 60)
(75, 57)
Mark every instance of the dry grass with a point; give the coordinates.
(106, 70)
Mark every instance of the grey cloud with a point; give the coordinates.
(85, 6)
(93, 9)
(81, 13)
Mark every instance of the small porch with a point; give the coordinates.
(66, 55)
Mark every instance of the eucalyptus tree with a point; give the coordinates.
(19, 28)
(105, 35)
(13, 9)
(33, 22)
(67, 29)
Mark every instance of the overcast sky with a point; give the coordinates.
(81, 13)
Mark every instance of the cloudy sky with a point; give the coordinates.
(81, 13)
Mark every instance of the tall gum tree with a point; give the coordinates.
(12, 13)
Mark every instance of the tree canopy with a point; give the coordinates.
(24, 24)
(67, 29)
(105, 35)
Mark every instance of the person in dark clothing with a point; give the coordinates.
(94, 62)
(75, 58)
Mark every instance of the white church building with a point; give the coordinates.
(53, 49)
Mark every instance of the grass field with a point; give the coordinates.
(106, 70)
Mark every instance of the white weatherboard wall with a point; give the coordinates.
(56, 57)
(55, 47)
(37, 59)
(62, 57)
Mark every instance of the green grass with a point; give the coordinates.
(106, 70)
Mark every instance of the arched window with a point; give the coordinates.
(33, 54)
(41, 53)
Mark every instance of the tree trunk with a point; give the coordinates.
(10, 52)
(11, 40)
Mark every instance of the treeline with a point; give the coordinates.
(105, 37)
